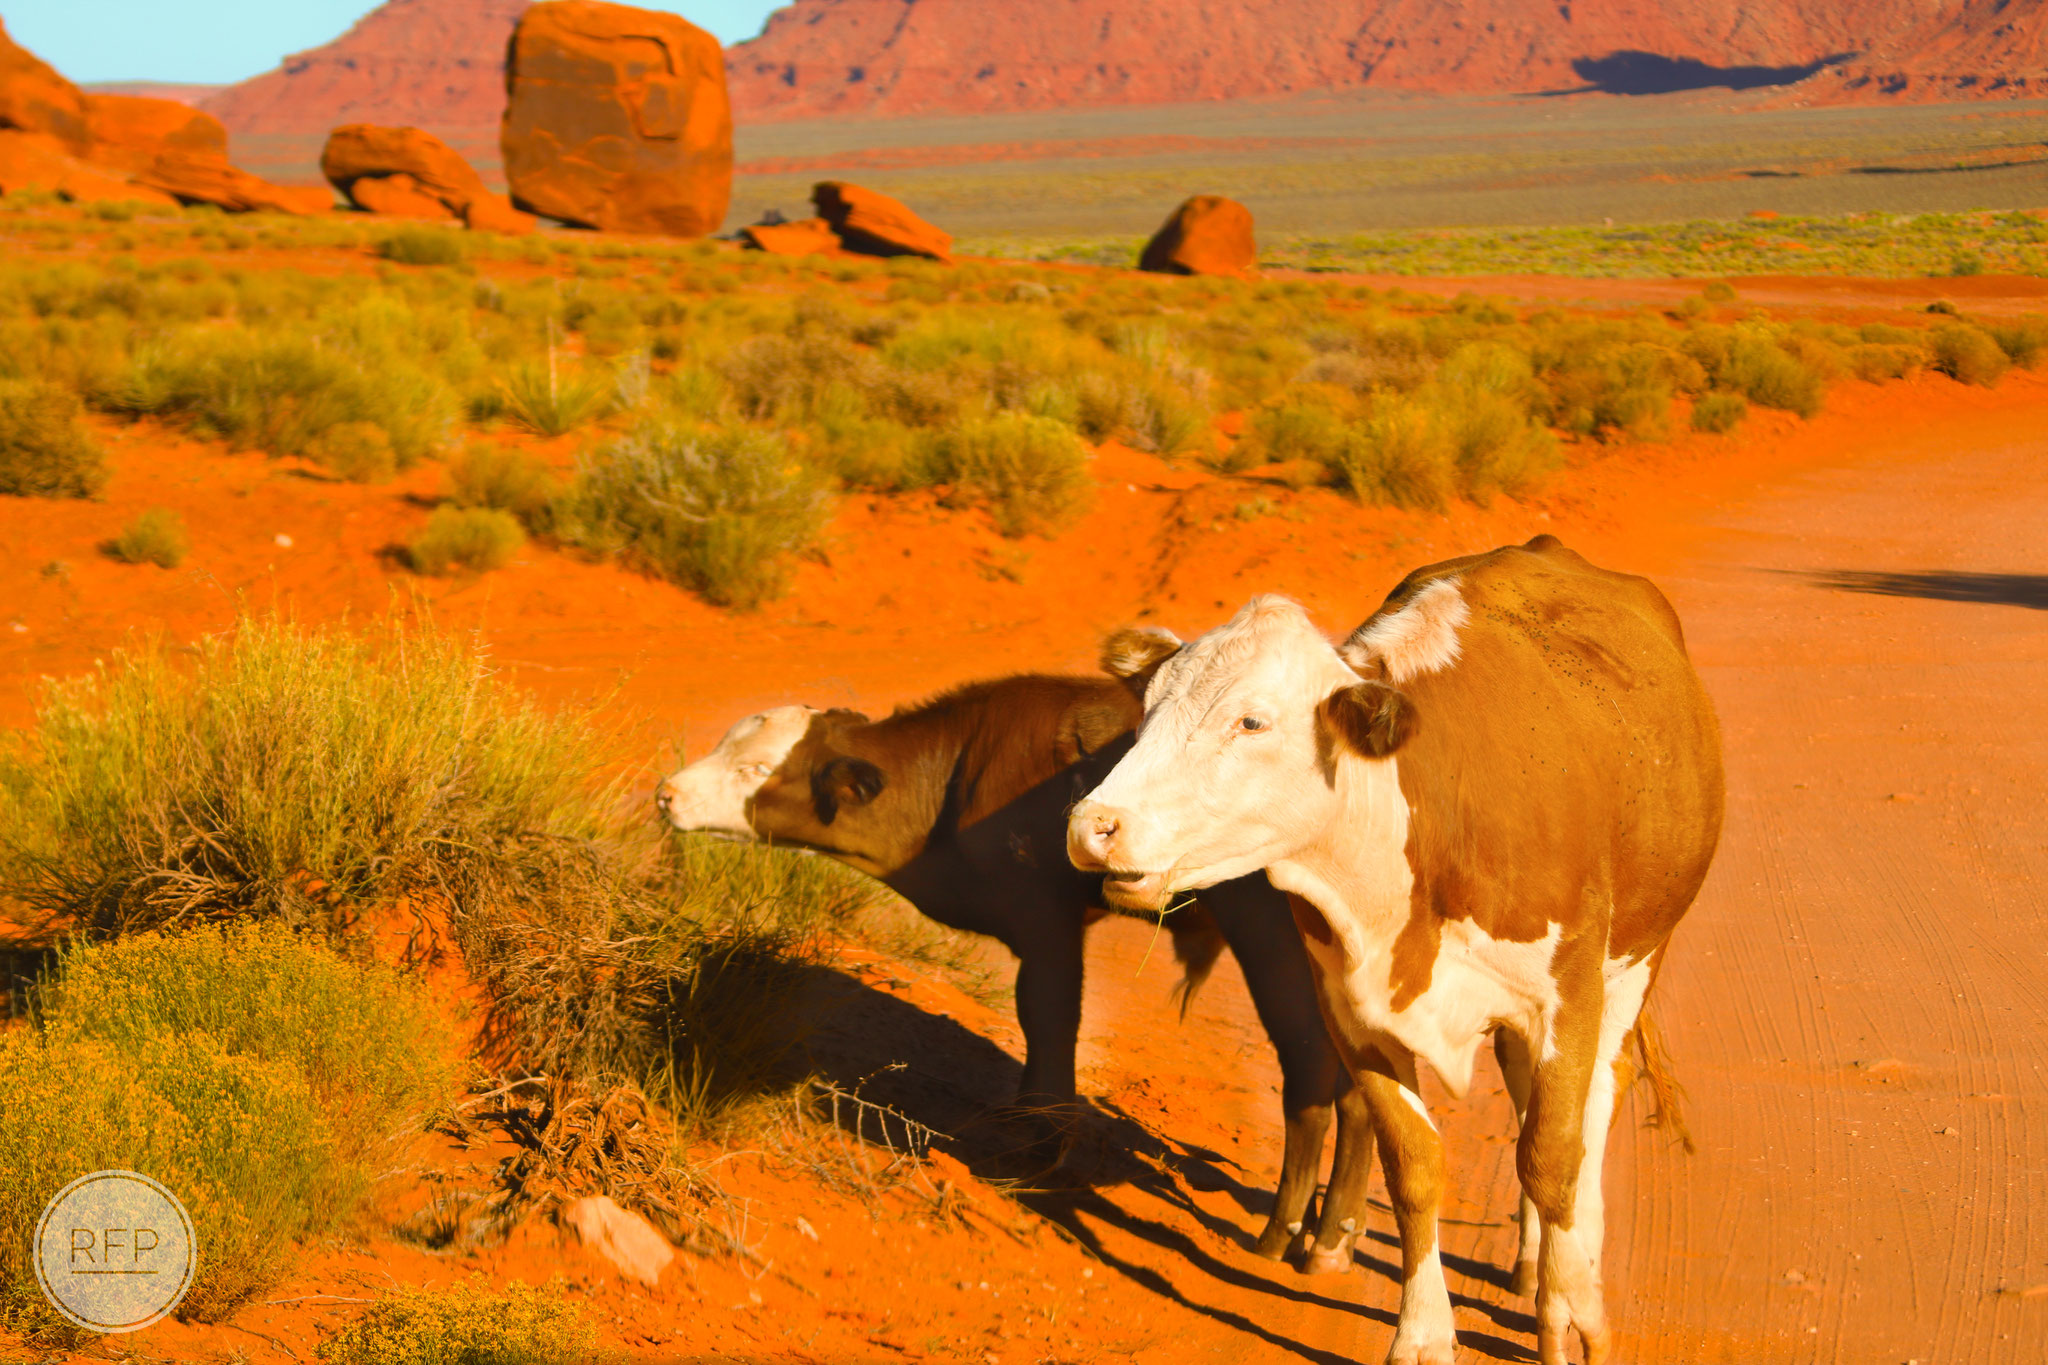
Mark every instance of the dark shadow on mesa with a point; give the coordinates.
(1941, 585)
(1651, 73)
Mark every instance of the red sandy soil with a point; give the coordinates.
(1853, 1006)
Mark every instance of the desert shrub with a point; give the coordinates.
(1495, 445)
(1719, 413)
(1875, 362)
(1030, 472)
(1400, 454)
(282, 772)
(1719, 291)
(258, 1075)
(364, 1038)
(719, 512)
(1307, 423)
(1967, 354)
(2024, 340)
(242, 1142)
(1766, 374)
(465, 1325)
(284, 392)
(551, 398)
(423, 246)
(466, 540)
(154, 537)
(45, 450)
(485, 475)
(358, 451)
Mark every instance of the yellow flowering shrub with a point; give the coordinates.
(465, 1325)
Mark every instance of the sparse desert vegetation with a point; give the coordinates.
(718, 399)
(156, 537)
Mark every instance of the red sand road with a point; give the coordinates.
(1854, 1006)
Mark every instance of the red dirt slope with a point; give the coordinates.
(1972, 50)
(433, 64)
(439, 64)
(824, 57)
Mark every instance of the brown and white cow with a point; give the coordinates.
(960, 806)
(1489, 807)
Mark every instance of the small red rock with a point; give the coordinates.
(805, 237)
(876, 225)
(1208, 235)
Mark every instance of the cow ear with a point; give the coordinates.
(844, 782)
(1369, 718)
(1086, 728)
(1135, 653)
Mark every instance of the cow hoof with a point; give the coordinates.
(1330, 1260)
(1415, 1353)
(1275, 1242)
(1524, 1282)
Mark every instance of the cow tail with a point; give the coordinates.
(1667, 1096)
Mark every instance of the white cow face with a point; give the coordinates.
(1236, 762)
(713, 793)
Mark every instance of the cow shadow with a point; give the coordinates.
(1939, 585)
(927, 1081)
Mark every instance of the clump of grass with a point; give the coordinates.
(286, 392)
(257, 1074)
(1030, 472)
(467, 540)
(492, 476)
(1400, 454)
(465, 1325)
(551, 399)
(1719, 413)
(154, 537)
(423, 246)
(719, 512)
(358, 451)
(2024, 340)
(1968, 354)
(284, 772)
(45, 450)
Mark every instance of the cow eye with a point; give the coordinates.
(1251, 724)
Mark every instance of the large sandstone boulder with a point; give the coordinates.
(805, 237)
(876, 225)
(39, 162)
(399, 196)
(130, 132)
(35, 99)
(1208, 235)
(618, 119)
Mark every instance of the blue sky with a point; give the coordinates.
(221, 41)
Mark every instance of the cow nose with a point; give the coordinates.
(1091, 833)
(664, 795)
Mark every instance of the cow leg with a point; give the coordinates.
(1049, 1012)
(1518, 1069)
(1254, 921)
(1568, 1157)
(1344, 1203)
(1413, 1154)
